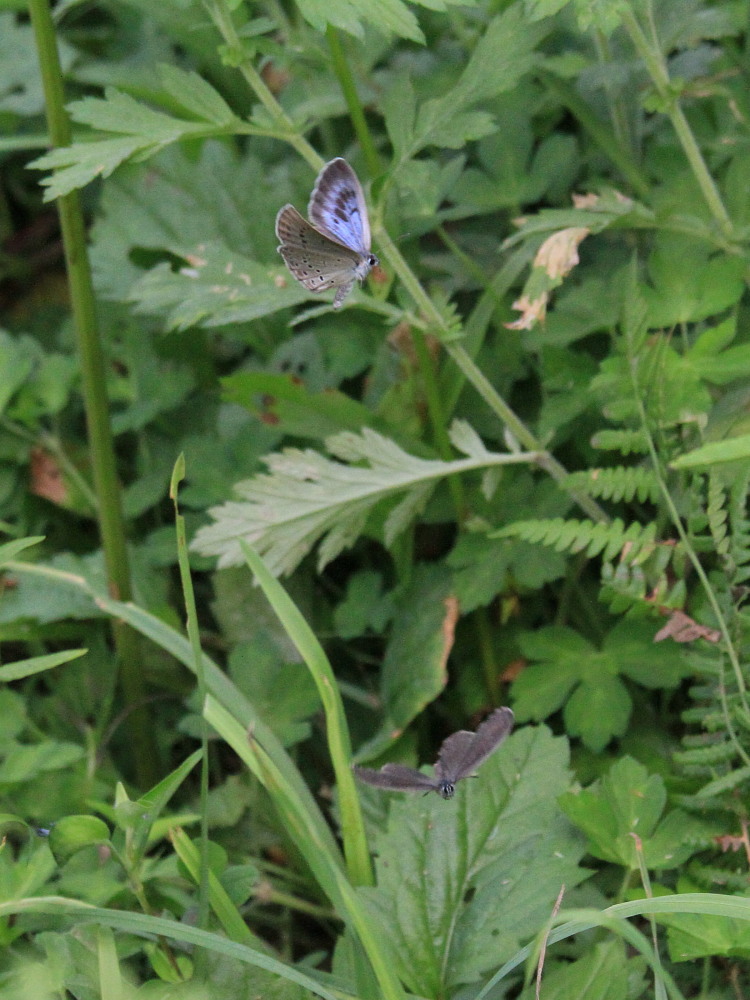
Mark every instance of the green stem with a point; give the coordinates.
(221, 14)
(650, 53)
(472, 373)
(93, 381)
(349, 89)
(698, 567)
(193, 631)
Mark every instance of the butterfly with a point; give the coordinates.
(459, 756)
(332, 250)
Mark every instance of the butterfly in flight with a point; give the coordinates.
(459, 757)
(332, 250)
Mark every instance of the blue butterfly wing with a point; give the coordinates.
(338, 209)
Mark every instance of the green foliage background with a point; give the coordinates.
(513, 469)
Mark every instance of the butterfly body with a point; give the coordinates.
(332, 250)
(459, 756)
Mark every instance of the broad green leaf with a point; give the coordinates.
(604, 972)
(178, 203)
(215, 287)
(688, 283)
(415, 666)
(568, 671)
(364, 607)
(701, 935)
(293, 407)
(21, 91)
(598, 710)
(24, 763)
(71, 834)
(626, 801)
(462, 883)
(283, 694)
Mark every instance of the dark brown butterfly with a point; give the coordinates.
(459, 757)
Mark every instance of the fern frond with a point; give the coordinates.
(627, 441)
(740, 528)
(717, 513)
(710, 876)
(706, 757)
(591, 537)
(618, 483)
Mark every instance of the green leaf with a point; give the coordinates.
(568, 671)
(365, 607)
(37, 664)
(598, 710)
(24, 763)
(603, 15)
(503, 55)
(282, 693)
(215, 288)
(626, 801)
(603, 972)
(462, 883)
(74, 833)
(701, 935)
(415, 666)
(178, 204)
(142, 130)
(349, 15)
(295, 409)
(732, 450)
(308, 497)
(21, 90)
(689, 284)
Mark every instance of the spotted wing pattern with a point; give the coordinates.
(314, 260)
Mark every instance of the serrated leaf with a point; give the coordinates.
(308, 497)
(349, 15)
(178, 202)
(195, 95)
(214, 288)
(461, 884)
(503, 54)
(141, 131)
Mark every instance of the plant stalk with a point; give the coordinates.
(93, 384)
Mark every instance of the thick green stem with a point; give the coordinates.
(653, 60)
(93, 381)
